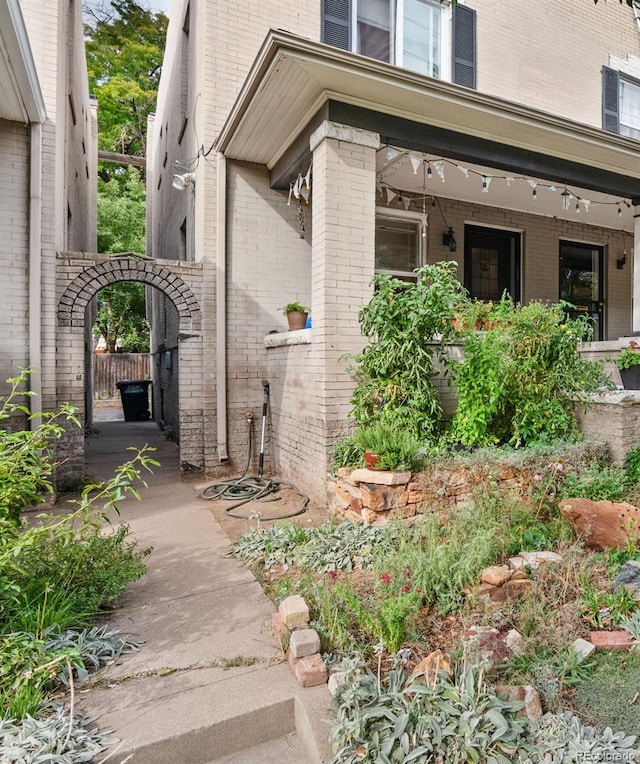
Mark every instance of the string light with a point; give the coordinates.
(392, 153)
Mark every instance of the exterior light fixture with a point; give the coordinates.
(449, 240)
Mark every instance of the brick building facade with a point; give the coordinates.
(488, 124)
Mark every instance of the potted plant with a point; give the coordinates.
(629, 364)
(387, 446)
(296, 315)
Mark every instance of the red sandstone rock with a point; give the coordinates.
(603, 524)
(434, 662)
(310, 671)
(496, 575)
(525, 694)
(611, 640)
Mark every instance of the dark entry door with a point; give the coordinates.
(491, 262)
(581, 283)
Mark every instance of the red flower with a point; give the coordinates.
(406, 589)
(385, 578)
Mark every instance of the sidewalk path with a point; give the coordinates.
(210, 682)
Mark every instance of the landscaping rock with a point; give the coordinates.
(629, 577)
(495, 575)
(310, 671)
(294, 611)
(336, 680)
(583, 648)
(510, 590)
(533, 560)
(484, 644)
(429, 666)
(515, 641)
(611, 640)
(381, 477)
(304, 642)
(603, 524)
(524, 694)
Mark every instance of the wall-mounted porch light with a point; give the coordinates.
(449, 240)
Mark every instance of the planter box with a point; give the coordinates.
(631, 377)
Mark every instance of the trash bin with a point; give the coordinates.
(135, 399)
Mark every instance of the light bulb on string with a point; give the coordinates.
(429, 172)
(566, 198)
(534, 194)
(619, 211)
(577, 208)
(485, 185)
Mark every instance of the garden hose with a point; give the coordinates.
(245, 488)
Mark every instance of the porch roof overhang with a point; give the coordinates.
(21, 98)
(295, 83)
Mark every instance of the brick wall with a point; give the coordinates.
(549, 54)
(14, 250)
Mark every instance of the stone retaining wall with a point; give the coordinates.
(372, 497)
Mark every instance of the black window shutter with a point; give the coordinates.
(336, 23)
(464, 46)
(610, 100)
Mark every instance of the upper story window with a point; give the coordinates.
(620, 103)
(408, 33)
(414, 34)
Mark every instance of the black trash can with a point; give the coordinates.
(135, 399)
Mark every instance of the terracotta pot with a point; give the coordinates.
(631, 377)
(371, 460)
(296, 320)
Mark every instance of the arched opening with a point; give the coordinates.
(175, 362)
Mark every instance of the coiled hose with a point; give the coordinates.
(246, 488)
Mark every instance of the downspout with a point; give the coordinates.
(221, 306)
(35, 271)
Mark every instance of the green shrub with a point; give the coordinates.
(346, 453)
(394, 371)
(632, 466)
(26, 456)
(598, 482)
(519, 382)
(397, 449)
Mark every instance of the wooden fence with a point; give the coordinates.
(109, 368)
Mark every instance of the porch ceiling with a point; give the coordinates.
(292, 79)
(20, 95)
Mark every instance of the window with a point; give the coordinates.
(405, 32)
(399, 244)
(581, 282)
(620, 103)
(413, 34)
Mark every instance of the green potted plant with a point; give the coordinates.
(296, 314)
(629, 364)
(387, 446)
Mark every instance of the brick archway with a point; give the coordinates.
(80, 278)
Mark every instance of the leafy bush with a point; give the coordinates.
(632, 466)
(397, 449)
(26, 456)
(395, 370)
(519, 382)
(460, 721)
(598, 482)
(346, 454)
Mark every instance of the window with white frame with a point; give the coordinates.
(620, 103)
(426, 36)
(410, 33)
(399, 243)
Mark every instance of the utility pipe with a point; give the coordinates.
(221, 305)
(35, 271)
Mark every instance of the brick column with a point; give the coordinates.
(343, 256)
(635, 300)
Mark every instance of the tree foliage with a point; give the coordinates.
(121, 316)
(124, 58)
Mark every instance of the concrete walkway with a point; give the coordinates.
(211, 683)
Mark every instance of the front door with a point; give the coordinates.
(581, 271)
(491, 262)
